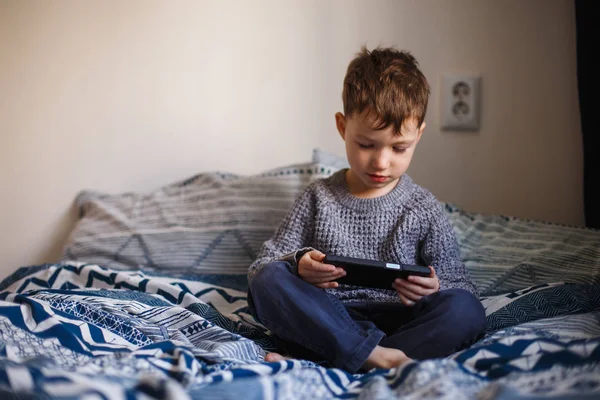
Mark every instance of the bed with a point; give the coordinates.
(149, 301)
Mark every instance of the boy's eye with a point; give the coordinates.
(399, 149)
(364, 146)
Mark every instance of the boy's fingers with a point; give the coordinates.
(406, 301)
(323, 279)
(316, 255)
(422, 281)
(335, 272)
(413, 287)
(320, 267)
(406, 292)
(327, 285)
(326, 276)
(409, 295)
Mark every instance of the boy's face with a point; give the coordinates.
(377, 158)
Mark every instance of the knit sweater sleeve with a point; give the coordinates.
(440, 250)
(290, 241)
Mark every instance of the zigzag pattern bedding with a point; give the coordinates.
(73, 330)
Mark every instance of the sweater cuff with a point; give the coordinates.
(294, 257)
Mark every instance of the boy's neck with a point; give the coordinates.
(357, 188)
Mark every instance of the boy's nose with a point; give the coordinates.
(380, 161)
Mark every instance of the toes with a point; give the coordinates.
(274, 357)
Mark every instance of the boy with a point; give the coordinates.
(371, 210)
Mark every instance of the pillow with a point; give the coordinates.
(210, 223)
(328, 158)
(504, 253)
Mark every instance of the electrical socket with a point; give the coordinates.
(460, 102)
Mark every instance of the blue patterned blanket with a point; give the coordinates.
(73, 330)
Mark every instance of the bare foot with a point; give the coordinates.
(275, 357)
(385, 357)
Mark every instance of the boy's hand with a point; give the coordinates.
(413, 288)
(313, 271)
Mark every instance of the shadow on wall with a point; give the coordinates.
(63, 226)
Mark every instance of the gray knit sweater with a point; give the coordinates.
(407, 225)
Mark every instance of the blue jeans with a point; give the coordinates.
(317, 325)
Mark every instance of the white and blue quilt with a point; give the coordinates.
(76, 330)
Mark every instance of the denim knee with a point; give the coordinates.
(268, 285)
(467, 310)
(270, 276)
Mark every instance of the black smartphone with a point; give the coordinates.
(372, 273)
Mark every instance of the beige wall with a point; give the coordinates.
(127, 95)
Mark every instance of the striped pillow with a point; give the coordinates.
(504, 254)
(211, 223)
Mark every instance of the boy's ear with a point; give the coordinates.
(340, 123)
(421, 129)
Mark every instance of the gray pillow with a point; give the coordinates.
(210, 223)
(328, 158)
(504, 253)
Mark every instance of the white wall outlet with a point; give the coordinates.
(460, 102)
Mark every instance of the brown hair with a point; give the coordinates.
(388, 83)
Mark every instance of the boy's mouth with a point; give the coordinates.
(377, 178)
